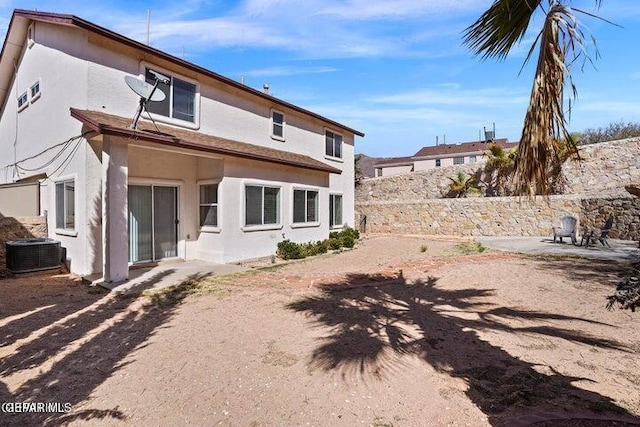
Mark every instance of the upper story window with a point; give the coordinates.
(458, 160)
(35, 91)
(333, 144)
(438, 163)
(277, 125)
(180, 100)
(473, 159)
(23, 101)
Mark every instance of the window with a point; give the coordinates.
(333, 144)
(262, 205)
(209, 205)
(472, 159)
(335, 210)
(23, 101)
(277, 125)
(35, 91)
(458, 160)
(305, 206)
(438, 163)
(180, 100)
(65, 205)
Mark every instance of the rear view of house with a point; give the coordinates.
(215, 171)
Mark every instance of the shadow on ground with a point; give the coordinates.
(60, 351)
(374, 326)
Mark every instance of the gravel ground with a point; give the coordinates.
(401, 331)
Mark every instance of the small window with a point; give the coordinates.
(23, 101)
(333, 144)
(34, 90)
(277, 125)
(335, 210)
(458, 160)
(209, 205)
(65, 205)
(262, 205)
(305, 206)
(472, 159)
(180, 100)
(438, 163)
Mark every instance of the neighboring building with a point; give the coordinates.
(439, 156)
(225, 172)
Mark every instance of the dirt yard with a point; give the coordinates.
(402, 331)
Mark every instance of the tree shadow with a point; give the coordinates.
(373, 327)
(66, 361)
(582, 270)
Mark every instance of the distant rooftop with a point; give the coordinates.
(446, 151)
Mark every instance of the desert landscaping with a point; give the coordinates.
(400, 331)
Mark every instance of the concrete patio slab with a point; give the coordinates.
(165, 275)
(621, 250)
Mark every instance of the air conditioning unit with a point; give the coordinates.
(24, 256)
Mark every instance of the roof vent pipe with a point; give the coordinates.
(265, 88)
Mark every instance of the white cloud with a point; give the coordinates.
(360, 10)
(451, 94)
(289, 71)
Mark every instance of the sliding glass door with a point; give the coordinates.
(153, 222)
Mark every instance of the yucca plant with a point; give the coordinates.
(500, 166)
(561, 45)
(463, 185)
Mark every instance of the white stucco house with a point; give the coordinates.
(223, 172)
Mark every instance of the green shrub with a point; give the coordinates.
(334, 243)
(352, 232)
(322, 246)
(347, 241)
(472, 247)
(289, 250)
(334, 235)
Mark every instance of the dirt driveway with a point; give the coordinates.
(402, 331)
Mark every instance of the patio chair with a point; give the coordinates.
(567, 229)
(591, 235)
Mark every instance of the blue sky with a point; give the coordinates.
(395, 70)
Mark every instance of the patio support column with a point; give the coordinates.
(115, 237)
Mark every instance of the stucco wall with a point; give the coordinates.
(83, 70)
(413, 203)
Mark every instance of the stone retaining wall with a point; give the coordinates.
(413, 203)
(605, 167)
(501, 216)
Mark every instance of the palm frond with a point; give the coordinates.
(498, 29)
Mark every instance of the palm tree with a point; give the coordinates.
(561, 44)
(463, 185)
(500, 163)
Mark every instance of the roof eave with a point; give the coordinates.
(177, 142)
(89, 26)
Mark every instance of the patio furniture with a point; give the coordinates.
(591, 235)
(567, 229)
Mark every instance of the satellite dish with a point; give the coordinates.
(144, 89)
(146, 92)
